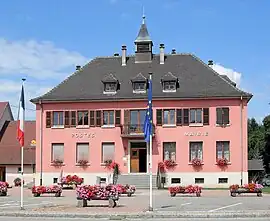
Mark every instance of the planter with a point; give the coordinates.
(247, 188)
(185, 190)
(38, 190)
(71, 182)
(87, 193)
(127, 189)
(3, 188)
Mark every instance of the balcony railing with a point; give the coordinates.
(134, 130)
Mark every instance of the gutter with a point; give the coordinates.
(41, 142)
(241, 138)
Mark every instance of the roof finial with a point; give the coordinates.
(143, 16)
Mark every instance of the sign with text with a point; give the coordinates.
(196, 134)
(83, 135)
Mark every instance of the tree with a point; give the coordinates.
(266, 155)
(255, 139)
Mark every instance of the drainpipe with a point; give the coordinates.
(41, 141)
(241, 137)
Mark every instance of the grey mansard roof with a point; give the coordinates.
(196, 80)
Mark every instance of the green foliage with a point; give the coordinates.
(256, 140)
(266, 155)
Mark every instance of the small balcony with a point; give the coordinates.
(134, 130)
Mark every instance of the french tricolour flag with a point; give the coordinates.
(20, 129)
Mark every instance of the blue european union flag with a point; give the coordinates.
(149, 113)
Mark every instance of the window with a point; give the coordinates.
(223, 150)
(137, 118)
(195, 150)
(175, 180)
(169, 117)
(58, 118)
(195, 116)
(143, 47)
(57, 152)
(110, 87)
(223, 116)
(169, 151)
(169, 86)
(222, 180)
(55, 180)
(67, 118)
(73, 119)
(107, 151)
(82, 117)
(139, 86)
(19, 170)
(82, 152)
(199, 180)
(108, 117)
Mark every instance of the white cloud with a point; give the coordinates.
(233, 75)
(41, 62)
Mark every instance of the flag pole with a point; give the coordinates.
(150, 160)
(22, 159)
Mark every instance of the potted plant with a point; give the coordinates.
(83, 163)
(17, 181)
(57, 162)
(112, 165)
(196, 162)
(169, 164)
(222, 162)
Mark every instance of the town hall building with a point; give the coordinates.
(97, 114)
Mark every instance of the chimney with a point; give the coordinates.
(124, 55)
(210, 63)
(78, 67)
(162, 54)
(173, 51)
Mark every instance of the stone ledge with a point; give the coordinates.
(144, 215)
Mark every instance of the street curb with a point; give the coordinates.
(144, 215)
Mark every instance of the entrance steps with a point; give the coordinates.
(140, 181)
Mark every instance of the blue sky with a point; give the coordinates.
(44, 40)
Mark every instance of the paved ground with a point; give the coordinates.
(211, 201)
(74, 219)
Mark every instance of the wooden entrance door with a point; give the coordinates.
(134, 160)
(2, 174)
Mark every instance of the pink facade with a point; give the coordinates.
(181, 135)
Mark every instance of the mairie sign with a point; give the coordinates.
(196, 134)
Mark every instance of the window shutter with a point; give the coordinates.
(219, 116)
(98, 118)
(159, 117)
(179, 117)
(226, 115)
(117, 117)
(73, 118)
(186, 117)
(205, 116)
(92, 118)
(67, 119)
(48, 119)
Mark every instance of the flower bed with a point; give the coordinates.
(246, 188)
(55, 189)
(71, 180)
(185, 190)
(97, 192)
(3, 188)
(125, 189)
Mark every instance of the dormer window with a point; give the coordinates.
(139, 84)
(111, 84)
(169, 86)
(169, 82)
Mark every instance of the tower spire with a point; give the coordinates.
(143, 16)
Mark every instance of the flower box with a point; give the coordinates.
(55, 189)
(70, 181)
(190, 189)
(86, 193)
(57, 162)
(83, 163)
(3, 188)
(125, 189)
(246, 188)
(222, 162)
(196, 162)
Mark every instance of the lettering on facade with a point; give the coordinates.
(196, 133)
(83, 135)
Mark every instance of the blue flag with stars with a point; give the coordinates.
(149, 113)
